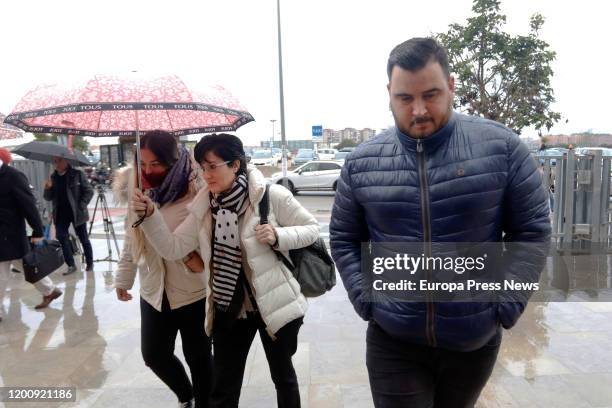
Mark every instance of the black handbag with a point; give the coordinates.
(312, 266)
(42, 260)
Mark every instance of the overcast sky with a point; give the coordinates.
(334, 52)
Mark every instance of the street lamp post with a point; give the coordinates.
(282, 96)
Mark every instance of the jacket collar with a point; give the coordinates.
(429, 143)
(200, 205)
(69, 171)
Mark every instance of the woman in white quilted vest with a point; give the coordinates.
(172, 292)
(251, 289)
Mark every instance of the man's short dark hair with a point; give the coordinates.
(414, 54)
(226, 146)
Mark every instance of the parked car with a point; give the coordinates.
(278, 153)
(264, 158)
(340, 156)
(315, 175)
(304, 156)
(326, 154)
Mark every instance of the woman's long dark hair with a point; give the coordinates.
(163, 145)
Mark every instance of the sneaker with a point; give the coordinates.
(89, 267)
(49, 298)
(71, 269)
(188, 404)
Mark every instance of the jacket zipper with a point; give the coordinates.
(425, 210)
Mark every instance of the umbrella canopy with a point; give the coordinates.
(112, 105)
(46, 151)
(8, 132)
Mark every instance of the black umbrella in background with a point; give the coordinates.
(46, 151)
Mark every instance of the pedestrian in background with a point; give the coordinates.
(70, 193)
(17, 204)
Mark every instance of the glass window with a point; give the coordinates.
(328, 166)
(311, 167)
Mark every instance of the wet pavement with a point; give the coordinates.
(558, 355)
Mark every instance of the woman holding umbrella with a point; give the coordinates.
(172, 293)
(250, 289)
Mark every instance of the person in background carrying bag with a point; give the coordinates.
(17, 204)
(252, 290)
(172, 293)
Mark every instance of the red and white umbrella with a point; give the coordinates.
(113, 105)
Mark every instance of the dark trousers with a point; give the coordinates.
(404, 375)
(62, 235)
(232, 343)
(158, 334)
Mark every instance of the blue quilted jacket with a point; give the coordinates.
(472, 181)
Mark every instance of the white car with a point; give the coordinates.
(315, 175)
(326, 154)
(264, 158)
(341, 156)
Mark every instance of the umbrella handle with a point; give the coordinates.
(139, 221)
(138, 167)
(138, 170)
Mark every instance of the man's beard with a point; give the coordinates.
(417, 121)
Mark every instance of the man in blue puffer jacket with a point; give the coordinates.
(436, 177)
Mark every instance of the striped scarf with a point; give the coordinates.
(227, 255)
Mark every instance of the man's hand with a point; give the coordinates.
(141, 204)
(48, 183)
(266, 234)
(123, 294)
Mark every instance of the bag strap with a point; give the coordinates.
(264, 210)
(264, 206)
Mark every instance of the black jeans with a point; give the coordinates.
(158, 334)
(232, 343)
(61, 233)
(404, 375)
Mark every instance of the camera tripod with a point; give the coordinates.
(107, 221)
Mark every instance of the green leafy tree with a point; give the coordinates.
(78, 143)
(498, 76)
